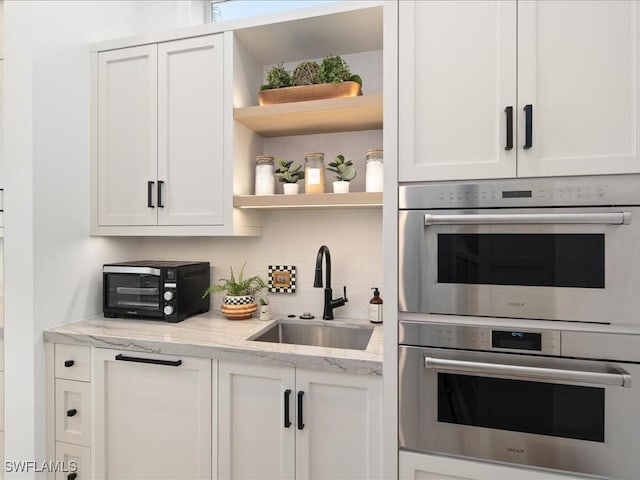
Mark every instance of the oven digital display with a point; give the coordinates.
(516, 194)
(516, 340)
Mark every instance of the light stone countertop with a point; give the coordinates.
(212, 336)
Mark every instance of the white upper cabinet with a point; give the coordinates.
(578, 68)
(160, 161)
(576, 77)
(457, 65)
(127, 135)
(190, 122)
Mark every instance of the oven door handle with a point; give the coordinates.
(605, 218)
(620, 379)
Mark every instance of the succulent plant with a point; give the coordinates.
(277, 77)
(334, 70)
(287, 172)
(306, 73)
(344, 169)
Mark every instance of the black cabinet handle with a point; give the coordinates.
(69, 363)
(150, 194)
(72, 476)
(154, 361)
(528, 126)
(160, 184)
(72, 412)
(300, 420)
(509, 113)
(287, 419)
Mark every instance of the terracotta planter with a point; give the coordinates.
(304, 93)
(238, 307)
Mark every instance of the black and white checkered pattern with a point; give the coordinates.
(238, 300)
(279, 268)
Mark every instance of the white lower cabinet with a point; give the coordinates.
(282, 422)
(69, 390)
(422, 466)
(75, 460)
(153, 416)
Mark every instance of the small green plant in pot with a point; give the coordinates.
(239, 302)
(288, 174)
(277, 77)
(344, 171)
(334, 69)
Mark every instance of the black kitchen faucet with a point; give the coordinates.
(329, 303)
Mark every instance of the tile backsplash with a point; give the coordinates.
(354, 238)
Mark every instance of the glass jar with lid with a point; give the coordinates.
(314, 172)
(374, 170)
(265, 183)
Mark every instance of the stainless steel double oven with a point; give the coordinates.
(519, 326)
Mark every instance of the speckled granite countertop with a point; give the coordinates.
(212, 336)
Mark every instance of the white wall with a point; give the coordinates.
(354, 238)
(51, 264)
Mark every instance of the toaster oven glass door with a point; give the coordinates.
(139, 292)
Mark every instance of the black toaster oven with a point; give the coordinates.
(156, 290)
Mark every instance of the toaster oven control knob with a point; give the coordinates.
(168, 295)
(168, 310)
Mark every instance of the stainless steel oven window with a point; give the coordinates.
(558, 410)
(540, 260)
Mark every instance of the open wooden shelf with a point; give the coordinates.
(304, 201)
(315, 116)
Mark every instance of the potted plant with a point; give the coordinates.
(239, 302)
(289, 174)
(310, 81)
(345, 172)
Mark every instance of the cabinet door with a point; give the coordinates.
(152, 420)
(127, 136)
(578, 67)
(190, 118)
(341, 416)
(422, 466)
(257, 440)
(457, 75)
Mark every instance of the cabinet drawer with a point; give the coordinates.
(73, 459)
(73, 412)
(73, 362)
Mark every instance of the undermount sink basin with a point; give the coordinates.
(317, 333)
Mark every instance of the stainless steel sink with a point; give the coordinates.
(317, 333)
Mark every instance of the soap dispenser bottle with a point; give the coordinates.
(375, 307)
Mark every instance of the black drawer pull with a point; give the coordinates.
(509, 120)
(528, 126)
(160, 184)
(72, 412)
(150, 194)
(72, 476)
(69, 363)
(300, 420)
(154, 361)
(287, 419)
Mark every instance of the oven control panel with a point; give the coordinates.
(530, 192)
(541, 342)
